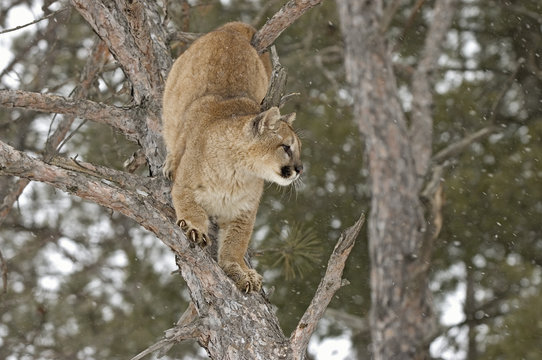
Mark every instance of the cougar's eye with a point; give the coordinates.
(287, 149)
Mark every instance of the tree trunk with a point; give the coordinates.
(226, 322)
(402, 318)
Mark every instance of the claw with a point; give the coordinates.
(193, 235)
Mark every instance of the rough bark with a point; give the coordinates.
(227, 318)
(226, 322)
(287, 14)
(400, 239)
(119, 118)
(134, 35)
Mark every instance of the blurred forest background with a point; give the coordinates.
(86, 283)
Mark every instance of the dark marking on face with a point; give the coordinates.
(286, 171)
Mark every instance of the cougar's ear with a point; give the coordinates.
(266, 120)
(288, 118)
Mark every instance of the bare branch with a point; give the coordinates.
(33, 22)
(173, 336)
(389, 12)
(120, 118)
(4, 267)
(156, 187)
(330, 283)
(125, 28)
(93, 67)
(421, 129)
(279, 76)
(184, 37)
(459, 146)
(135, 36)
(14, 191)
(287, 14)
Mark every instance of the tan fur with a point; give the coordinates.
(220, 148)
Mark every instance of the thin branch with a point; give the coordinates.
(137, 45)
(457, 147)
(389, 13)
(14, 191)
(330, 283)
(183, 37)
(119, 118)
(4, 267)
(134, 35)
(155, 187)
(135, 161)
(33, 22)
(279, 76)
(272, 29)
(171, 337)
(421, 129)
(94, 65)
(84, 184)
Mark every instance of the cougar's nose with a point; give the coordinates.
(298, 168)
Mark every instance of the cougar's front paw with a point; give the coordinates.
(246, 280)
(193, 234)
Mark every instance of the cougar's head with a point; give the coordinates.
(276, 147)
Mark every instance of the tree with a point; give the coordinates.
(400, 237)
(220, 317)
(82, 281)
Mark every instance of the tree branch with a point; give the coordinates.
(421, 128)
(92, 67)
(289, 13)
(135, 36)
(119, 118)
(279, 76)
(212, 292)
(173, 336)
(134, 42)
(455, 148)
(330, 283)
(156, 187)
(33, 22)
